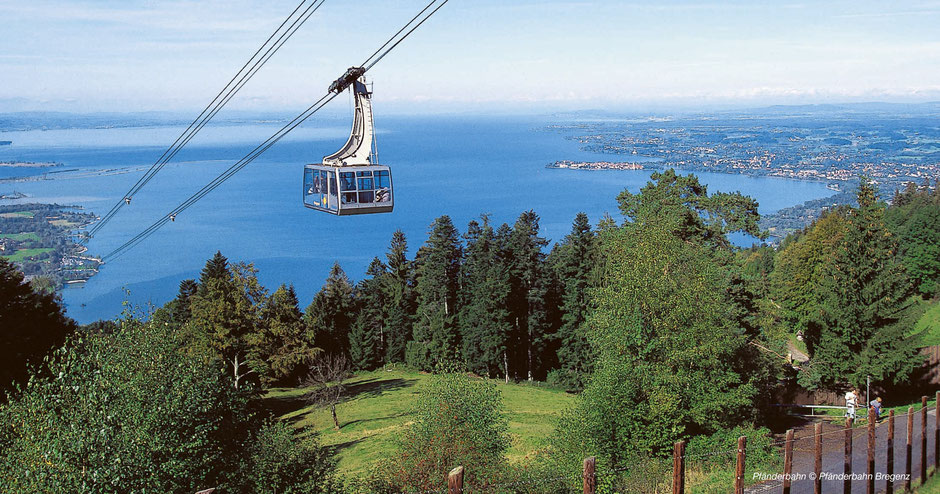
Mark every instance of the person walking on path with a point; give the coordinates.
(851, 402)
(876, 404)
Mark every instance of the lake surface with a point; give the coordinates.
(454, 165)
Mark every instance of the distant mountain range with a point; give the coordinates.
(918, 109)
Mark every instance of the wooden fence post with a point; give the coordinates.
(923, 440)
(847, 465)
(455, 481)
(889, 454)
(870, 488)
(910, 440)
(817, 482)
(936, 434)
(787, 461)
(739, 467)
(678, 468)
(590, 475)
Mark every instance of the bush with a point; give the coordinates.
(135, 410)
(281, 462)
(760, 449)
(458, 421)
(565, 379)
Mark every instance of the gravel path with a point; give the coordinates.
(834, 457)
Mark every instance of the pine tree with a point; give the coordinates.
(180, 307)
(367, 335)
(527, 296)
(284, 346)
(435, 327)
(32, 324)
(862, 329)
(215, 269)
(225, 315)
(329, 316)
(398, 297)
(573, 261)
(484, 292)
(801, 270)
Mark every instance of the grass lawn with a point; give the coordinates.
(377, 407)
(20, 237)
(22, 254)
(18, 214)
(931, 322)
(932, 486)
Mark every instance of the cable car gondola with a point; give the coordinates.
(350, 181)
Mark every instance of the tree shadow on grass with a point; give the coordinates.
(337, 448)
(370, 388)
(344, 425)
(279, 407)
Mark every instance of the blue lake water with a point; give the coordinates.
(454, 165)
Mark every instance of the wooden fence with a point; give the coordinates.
(784, 482)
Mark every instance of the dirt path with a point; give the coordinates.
(834, 457)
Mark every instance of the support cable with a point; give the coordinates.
(238, 81)
(388, 46)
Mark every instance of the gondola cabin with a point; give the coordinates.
(350, 181)
(347, 190)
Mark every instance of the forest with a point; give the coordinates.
(661, 327)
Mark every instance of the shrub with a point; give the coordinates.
(134, 410)
(281, 462)
(458, 420)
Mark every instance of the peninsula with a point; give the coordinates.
(595, 165)
(41, 239)
(28, 164)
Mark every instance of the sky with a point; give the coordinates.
(473, 55)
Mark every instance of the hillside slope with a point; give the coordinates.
(377, 406)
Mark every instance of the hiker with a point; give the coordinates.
(876, 405)
(851, 401)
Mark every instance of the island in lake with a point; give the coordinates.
(594, 165)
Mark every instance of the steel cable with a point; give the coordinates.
(218, 102)
(264, 146)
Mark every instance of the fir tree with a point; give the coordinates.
(367, 335)
(225, 315)
(527, 296)
(32, 324)
(435, 328)
(329, 315)
(180, 307)
(573, 260)
(398, 298)
(862, 329)
(915, 220)
(284, 346)
(216, 268)
(484, 292)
